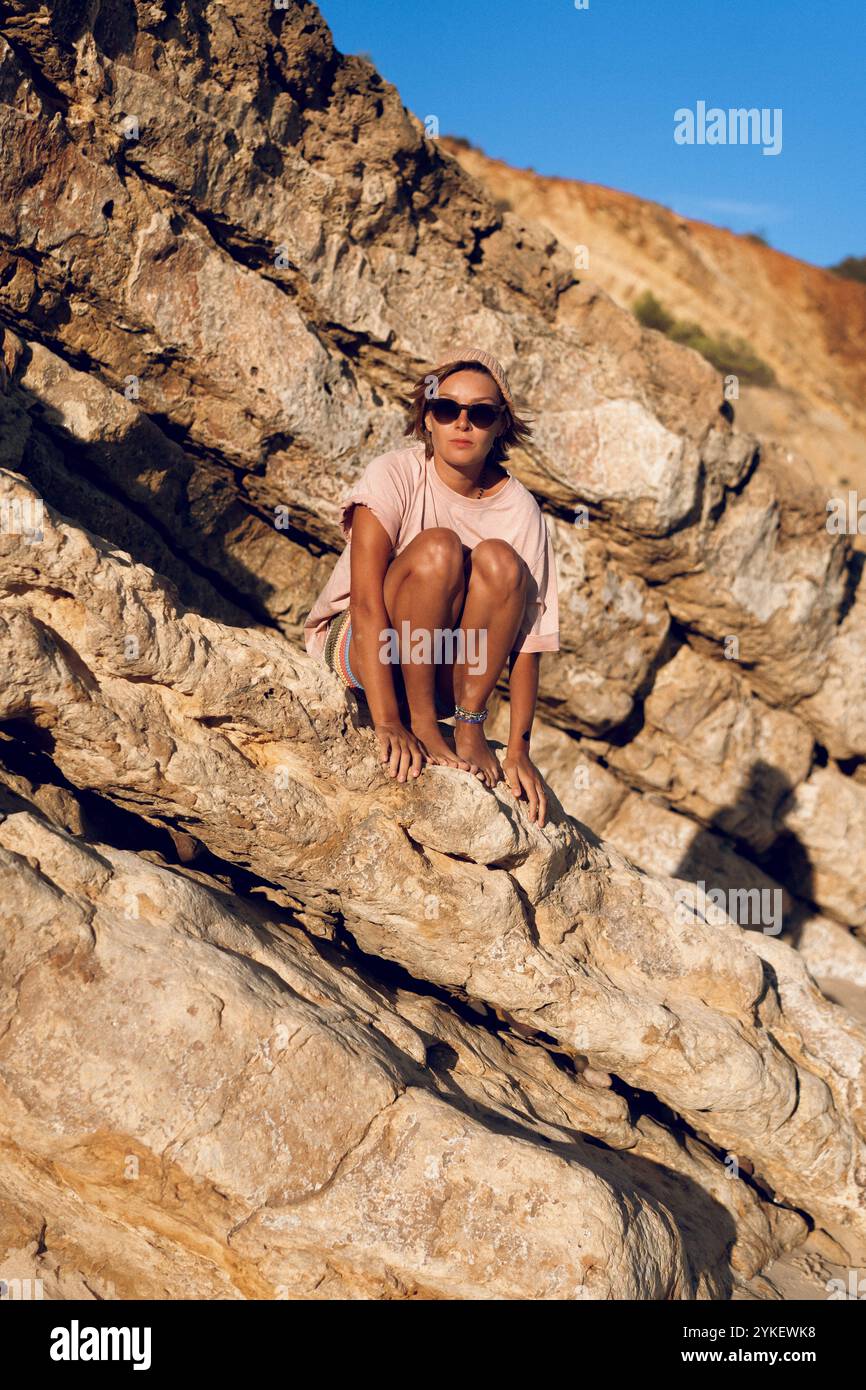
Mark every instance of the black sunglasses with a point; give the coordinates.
(482, 416)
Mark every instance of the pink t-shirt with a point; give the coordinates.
(407, 495)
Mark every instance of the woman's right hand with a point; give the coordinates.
(401, 750)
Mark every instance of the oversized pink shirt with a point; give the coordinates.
(405, 492)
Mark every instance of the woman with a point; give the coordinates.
(449, 571)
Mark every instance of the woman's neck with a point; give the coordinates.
(465, 481)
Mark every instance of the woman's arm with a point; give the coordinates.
(370, 556)
(521, 774)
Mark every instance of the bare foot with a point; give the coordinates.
(470, 743)
(438, 751)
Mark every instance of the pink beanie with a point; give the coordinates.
(485, 359)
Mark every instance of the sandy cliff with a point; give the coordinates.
(272, 1025)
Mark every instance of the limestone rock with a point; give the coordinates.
(836, 711)
(555, 932)
(827, 816)
(409, 1043)
(228, 1062)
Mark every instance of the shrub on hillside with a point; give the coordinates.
(730, 356)
(851, 268)
(651, 313)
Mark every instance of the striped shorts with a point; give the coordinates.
(337, 658)
(337, 644)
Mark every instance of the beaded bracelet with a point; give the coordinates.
(470, 716)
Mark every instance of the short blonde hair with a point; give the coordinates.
(517, 429)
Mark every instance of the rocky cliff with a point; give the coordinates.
(274, 1026)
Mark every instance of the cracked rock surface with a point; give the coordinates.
(272, 1025)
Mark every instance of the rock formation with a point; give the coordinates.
(274, 1026)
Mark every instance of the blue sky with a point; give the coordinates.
(591, 94)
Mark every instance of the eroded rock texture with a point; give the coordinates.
(272, 1024)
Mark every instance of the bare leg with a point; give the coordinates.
(424, 587)
(492, 614)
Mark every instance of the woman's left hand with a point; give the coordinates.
(522, 775)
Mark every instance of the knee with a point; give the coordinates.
(437, 553)
(499, 565)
